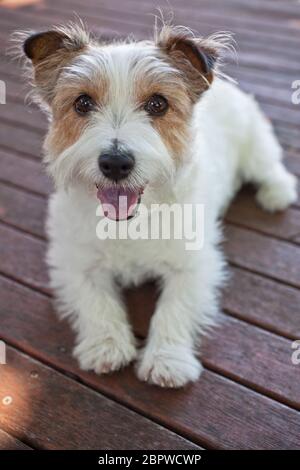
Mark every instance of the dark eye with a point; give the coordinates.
(157, 105)
(83, 104)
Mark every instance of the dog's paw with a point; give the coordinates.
(105, 354)
(168, 366)
(278, 195)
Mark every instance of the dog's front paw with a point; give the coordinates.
(168, 366)
(104, 354)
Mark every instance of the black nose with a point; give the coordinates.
(116, 164)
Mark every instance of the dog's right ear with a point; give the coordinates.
(40, 46)
(49, 52)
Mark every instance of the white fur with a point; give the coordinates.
(232, 143)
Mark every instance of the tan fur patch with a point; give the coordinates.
(47, 71)
(174, 130)
(67, 126)
(174, 125)
(64, 132)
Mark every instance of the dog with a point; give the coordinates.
(155, 122)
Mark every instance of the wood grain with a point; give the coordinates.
(8, 442)
(263, 255)
(23, 141)
(24, 173)
(88, 421)
(27, 213)
(22, 258)
(245, 212)
(263, 302)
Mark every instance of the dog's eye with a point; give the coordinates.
(83, 104)
(157, 105)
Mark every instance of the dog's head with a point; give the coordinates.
(120, 111)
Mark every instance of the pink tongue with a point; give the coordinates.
(118, 203)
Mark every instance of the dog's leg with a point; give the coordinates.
(187, 306)
(262, 165)
(105, 342)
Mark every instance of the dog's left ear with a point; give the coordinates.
(195, 57)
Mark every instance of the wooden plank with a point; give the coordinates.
(253, 13)
(22, 258)
(262, 42)
(226, 415)
(259, 253)
(258, 359)
(8, 442)
(264, 92)
(264, 302)
(245, 212)
(288, 117)
(132, 21)
(26, 115)
(208, 12)
(22, 210)
(293, 162)
(297, 239)
(23, 141)
(277, 80)
(88, 421)
(16, 87)
(297, 203)
(210, 15)
(24, 173)
(288, 8)
(288, 137)
(210, 412)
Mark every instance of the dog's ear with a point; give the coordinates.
(49, 52)
(195, 57)
(41, 46)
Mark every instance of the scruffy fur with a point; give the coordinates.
(212, 139)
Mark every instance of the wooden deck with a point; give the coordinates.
(249, 394)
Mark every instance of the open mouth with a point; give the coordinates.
(119, 203)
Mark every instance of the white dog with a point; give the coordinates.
(150, 121)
